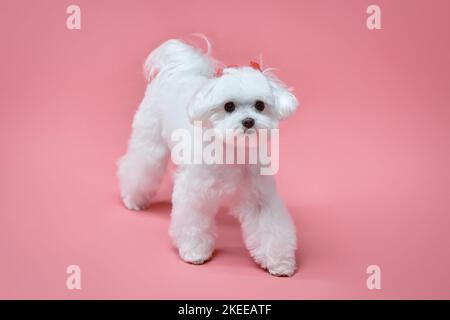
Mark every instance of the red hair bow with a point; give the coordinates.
(253, 64)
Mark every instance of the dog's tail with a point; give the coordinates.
(175, 56)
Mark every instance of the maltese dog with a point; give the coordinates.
(186, 88)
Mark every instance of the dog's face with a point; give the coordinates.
(242, 100)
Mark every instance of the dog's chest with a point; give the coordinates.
(231, 181)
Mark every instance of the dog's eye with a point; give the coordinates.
(259, 105)
(229, 107)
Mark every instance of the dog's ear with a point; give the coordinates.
(200, 106)
(285, 102)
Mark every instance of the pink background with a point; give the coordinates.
(364, 162)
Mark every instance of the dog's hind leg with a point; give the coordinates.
(141, 169)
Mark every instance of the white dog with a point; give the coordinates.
(184, 87)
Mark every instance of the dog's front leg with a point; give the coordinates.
(269, 232)
(194, 206)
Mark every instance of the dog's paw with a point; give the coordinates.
(133, 204)
(198, 254)
(285, 268)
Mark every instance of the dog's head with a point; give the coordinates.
(242, 99)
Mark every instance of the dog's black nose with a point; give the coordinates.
(248, 122)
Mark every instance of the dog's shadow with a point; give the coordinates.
(230, 245)
(230, 249)
(159, 208)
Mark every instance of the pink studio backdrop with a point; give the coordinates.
(364, 161)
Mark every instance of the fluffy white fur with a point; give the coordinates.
(182, 88)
